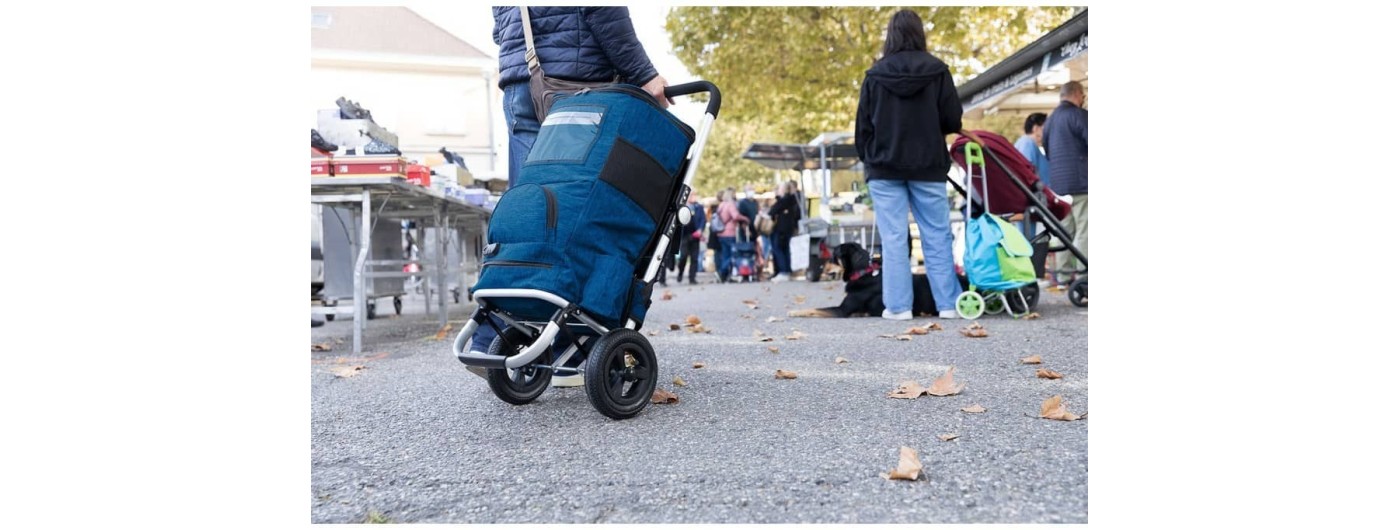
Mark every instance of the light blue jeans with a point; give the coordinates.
(893, 199)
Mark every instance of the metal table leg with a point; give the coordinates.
(423, 283)
(441, 261)
(363, 256)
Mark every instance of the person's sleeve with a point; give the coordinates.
(865, 127)
(950, 109)
(499, 14)
(1028, 150)
(612, 27)
(1082, 129)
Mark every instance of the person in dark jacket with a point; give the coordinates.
(785, 213)
(908, 104)
(690, 235)
(574, 43)
(1066, 140)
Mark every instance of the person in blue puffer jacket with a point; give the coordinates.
(574, 43)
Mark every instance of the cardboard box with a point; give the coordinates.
(420, 175)
(454, 173)
(371, 166)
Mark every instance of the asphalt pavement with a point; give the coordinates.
(414, 437)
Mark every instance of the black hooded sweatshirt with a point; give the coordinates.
(907, 105)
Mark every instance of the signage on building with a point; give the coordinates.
(1064, 52)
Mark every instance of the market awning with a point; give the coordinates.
(1029, 80)
(798, 157)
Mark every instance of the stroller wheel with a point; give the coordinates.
(521, 385)
(970, 305)
(1079, 292)
(1031, 292)
(995, 302)
(620, 374)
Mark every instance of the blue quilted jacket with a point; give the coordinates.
(576, 43)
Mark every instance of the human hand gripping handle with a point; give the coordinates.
(696, 87)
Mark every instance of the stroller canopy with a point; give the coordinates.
(1004, 197)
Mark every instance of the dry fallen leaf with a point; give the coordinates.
(784, 374)
(907, 390)
(796, 335)
(886, 336)
(1032, 316)
(698, 365)
(909, 466)
(678, 381)
(904, 337)
(667, 295)
(746, 315)
(692, 320)
(324, 346)
(975, 330)
(442, 333)
(1054, 409)
(1045, 373)
(653, 333)
(758, 333)
(974, 409)
(675, 327)
(916, 330)
(698, 329)
(664, 397)
(766, 339)
(842, 360)
(347, 371)
(749, 302)
(775, 319)
(799, 299)
(1034, 359)
(933, 326)
(829, 287)
(773, 349)
(947, 437)
(944, 385)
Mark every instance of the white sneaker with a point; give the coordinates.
(566, 381)
(907, 315)
(780, 278)
(949, 313)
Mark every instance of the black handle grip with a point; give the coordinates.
(697, 87)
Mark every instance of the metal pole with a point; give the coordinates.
(360, 299)
(441, 262)
(490, 122)
(423, 284)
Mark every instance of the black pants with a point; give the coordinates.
(690, 250)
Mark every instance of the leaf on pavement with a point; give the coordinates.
(975, 331)
(347, 370)
(916, 330)
(775, 319)
(909, 466)
(784, 374)
(799, 299)
(904, 337)
(324, 346)
(1054, 409)
(692, 320)
(773, 349)
(907, 390)
(842, 360)
(653, 333)
(1032, 316)
(675, 327)
(944, 385)
(698, 365)
(933, 326)
(974, 409)
(796, 335)
(947, 437)
(1034, 359)
(758, 333)
(746, 315)
(678, 381)
(663, 397)
(1045, 373)
(442, 333)
(698, 329)
(667, 295)
(766, 339)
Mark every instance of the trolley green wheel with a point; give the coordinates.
(996, 303)
(971, 305)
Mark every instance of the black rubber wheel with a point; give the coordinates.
(516, 387)
(398, 306)
(330, 317)
(1032, 294)
(369, 310)
(1079, 292)
(620, 374)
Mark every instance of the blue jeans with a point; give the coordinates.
(782, 253)
(893, 199)
(726, 257)
(524, 127)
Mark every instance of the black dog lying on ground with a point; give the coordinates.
(864, 288)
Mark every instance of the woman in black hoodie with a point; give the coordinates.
(908, 104)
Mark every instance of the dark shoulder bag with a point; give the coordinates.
(544, 90)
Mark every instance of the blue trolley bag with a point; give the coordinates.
(587, 206)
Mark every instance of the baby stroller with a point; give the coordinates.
(575, 246)
(745, 254)
(1011, 187)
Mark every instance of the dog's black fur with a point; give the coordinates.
(865, 294)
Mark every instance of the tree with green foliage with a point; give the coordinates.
(791, 73)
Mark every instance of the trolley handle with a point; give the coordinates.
(695, 88)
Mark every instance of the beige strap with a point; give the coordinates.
(531, 60)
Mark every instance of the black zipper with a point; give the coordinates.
(514, 263)
(550, 216)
